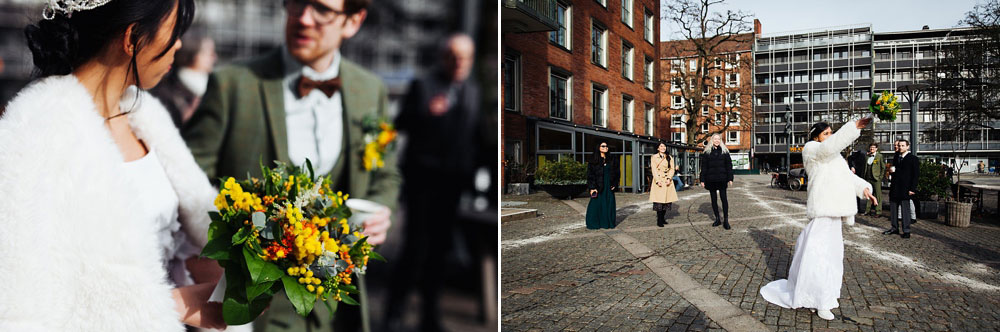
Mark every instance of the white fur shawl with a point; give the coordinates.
(832, 186)
(72, 255)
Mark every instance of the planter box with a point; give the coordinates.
(564, 191)
(958, 214)
(517, 188)
(928, 209)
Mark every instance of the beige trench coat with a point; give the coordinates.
(662, 188)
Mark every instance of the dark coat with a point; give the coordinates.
(595, 174)
(716, 167)
(904, 179)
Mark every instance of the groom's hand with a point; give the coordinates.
(377, 226)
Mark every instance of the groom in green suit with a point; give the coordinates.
(301, 101)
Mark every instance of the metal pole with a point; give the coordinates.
(914, 107)
(788, 142)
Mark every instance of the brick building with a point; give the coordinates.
(709, 92)
(583, 73)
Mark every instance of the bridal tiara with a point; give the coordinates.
(68, 7)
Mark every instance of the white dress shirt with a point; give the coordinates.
(315, 122)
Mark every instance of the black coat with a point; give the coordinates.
(595, 174)
(904, 179)
(858, 160)
(716, 167)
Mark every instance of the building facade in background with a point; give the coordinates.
(715, 89)
(586, 74)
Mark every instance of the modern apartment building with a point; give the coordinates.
(830, 74)
(576, 73)
(716, 89)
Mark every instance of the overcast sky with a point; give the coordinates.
(791, 15)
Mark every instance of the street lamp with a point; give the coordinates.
(913, 93)
(788, 139)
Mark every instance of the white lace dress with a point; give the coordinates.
(160, 203)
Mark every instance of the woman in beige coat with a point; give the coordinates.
(661, 191)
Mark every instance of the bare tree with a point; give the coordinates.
(719, 44)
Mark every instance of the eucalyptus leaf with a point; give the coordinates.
(259, 218)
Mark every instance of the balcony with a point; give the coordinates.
(528, 15)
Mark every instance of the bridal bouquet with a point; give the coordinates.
(286, 231)
(884, 106)
(378, 136)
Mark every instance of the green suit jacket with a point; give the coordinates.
(877, 168)
(241, 122)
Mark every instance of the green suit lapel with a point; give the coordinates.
(271, 69)
(356, 105)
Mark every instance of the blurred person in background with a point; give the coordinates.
(182, 88)
(439, 117)
(300, 101)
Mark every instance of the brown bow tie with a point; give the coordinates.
(329, 87)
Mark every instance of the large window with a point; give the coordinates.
(559, 92)
(678, 136)
(561, 35)
(733, 138)
(648, 26)
(648, 73)
(627, 52)
(676, 102)
(511, 82)
(733, 100)
(677, 120)
(734, 79)
(598, 43)
(650, 119)
(599, 105)
(628, 110)
(627, 12)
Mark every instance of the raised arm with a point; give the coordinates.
(837, 142)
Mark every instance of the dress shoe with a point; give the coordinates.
(905, 235)
(891, 231)
(825, 314)
(913, 221)
(725, 223)
(717, 222)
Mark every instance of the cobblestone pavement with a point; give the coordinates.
(557, 275)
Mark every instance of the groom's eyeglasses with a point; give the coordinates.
(321, 14)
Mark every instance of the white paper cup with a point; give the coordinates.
(361, 210)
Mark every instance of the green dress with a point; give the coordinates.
(601, 210)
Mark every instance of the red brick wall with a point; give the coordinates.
(537, 54)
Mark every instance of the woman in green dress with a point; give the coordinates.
(602, 180)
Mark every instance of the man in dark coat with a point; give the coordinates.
(905, 170)
(439, 118)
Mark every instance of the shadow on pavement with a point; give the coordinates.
(777, 254)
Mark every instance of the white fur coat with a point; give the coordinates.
(832, 186)
(72, 255)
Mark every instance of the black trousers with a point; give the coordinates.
(894, 214)
(721, 193)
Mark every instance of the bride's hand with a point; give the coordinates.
(863, 122)
(192, 303)
(868, 195)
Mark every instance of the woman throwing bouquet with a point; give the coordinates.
(814, 278)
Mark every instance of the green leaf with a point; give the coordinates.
(217, 228)
(374, 255)
(309, 166)
(215, 216)
(301, 298)
(260, 271)
(348, 288)
(255, 290)
(349, 300)
(217, 248)
(235, 312)
(242, 235)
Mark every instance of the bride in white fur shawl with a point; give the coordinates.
(814, 278)
(100, 195)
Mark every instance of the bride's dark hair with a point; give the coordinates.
(60, 45)
(817, 129)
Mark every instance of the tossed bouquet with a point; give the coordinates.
(884, 106)
(288, 231)
(379, 135)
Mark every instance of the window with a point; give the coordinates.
(650, 119)
(627, 60)
(676, 102)
(733, 99)
(693, 66)
(715, 82)
(514, 150)
(718, 119)
(678, 136)
(628, 110)
(676, 66)
(704, 90)
(704, 110)
(598, 43)
(693, 84)
(733, 138)
(559, 92)
(734, 118)
(718, 62)
(648, 26)
(734, 80)
(512, 82)
(677, 121)
(676, 84)
(603, 3)
(704, 127)
(718, 100)
(561, 36)
(599, 105)
(627, 12)
(648, 74)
